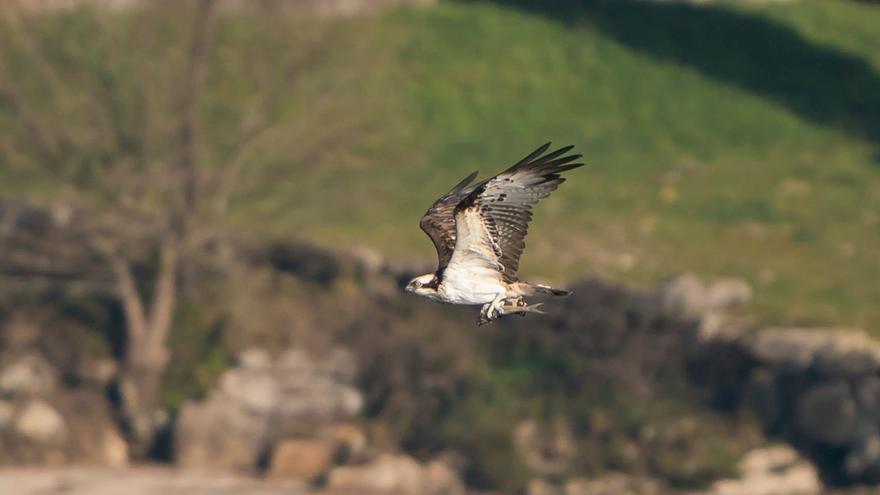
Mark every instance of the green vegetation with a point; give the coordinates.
(726, 140)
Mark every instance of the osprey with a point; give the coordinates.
(479, 232)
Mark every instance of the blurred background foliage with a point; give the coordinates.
(729, 139)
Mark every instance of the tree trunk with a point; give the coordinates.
(146, 355)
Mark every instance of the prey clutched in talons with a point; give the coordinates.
(522, 310)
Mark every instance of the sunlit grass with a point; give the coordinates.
(688, 170)
(685, 172)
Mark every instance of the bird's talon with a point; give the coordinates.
(483, 320)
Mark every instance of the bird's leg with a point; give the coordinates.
(496, 307)
(519, 303)
(484, 315)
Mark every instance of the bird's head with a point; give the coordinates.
(423, 285)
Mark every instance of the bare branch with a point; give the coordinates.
(232, 169)
(194, 83)
(46, 146)
(126, 291)
(164, 294)
(257, 124)
(35, 283)
(23, 34)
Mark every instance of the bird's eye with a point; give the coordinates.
(418, 283)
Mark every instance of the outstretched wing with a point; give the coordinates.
(505, 201)
(439, 221)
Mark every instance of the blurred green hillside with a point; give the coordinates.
(688, 171)
(726, 140)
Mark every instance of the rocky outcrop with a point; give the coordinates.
(43, 422)
(819, 388)
(28, 375)
(262, 401)
(72, 427)
(689, 297)
(829, 352)
(546, 451)
(140, 481)
(304, 459)
(395, 475)
(774, 470)
(295, 414)
(156, 480)
(609, 484)
(40, 423)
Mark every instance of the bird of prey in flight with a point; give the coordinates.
(479, 232)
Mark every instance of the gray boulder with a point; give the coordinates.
(829, 351)
(774, 470)
(217, 434)
(689, 297)
(305, 459)
(28, 375)
(686, 296)
(763, 395)
(728, 292)
(863, 459)
(828, 414)
(262, 401)
(867, 391)
(74, 426)
(40, 422)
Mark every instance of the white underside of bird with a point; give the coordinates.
(479, 232)
(472, 276)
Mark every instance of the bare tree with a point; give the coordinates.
(126, 149)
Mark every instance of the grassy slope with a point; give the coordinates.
(723, 140)
(688, 171)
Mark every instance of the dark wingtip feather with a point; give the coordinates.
(532, 156)
(570, 166)
(464, 182)
(538, 151)
(549, 163)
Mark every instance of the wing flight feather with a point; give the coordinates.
(439, 221)
(505, 201)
